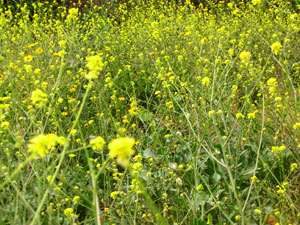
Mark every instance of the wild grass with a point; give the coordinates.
(209, 97)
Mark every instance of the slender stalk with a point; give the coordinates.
(66, 145)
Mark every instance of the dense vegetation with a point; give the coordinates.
(150, 113)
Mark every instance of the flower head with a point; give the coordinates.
(68, 212)
(94, 62)
(245, 57)
(39, 98)
(256, 2)
(122, 149)
(276, 47)
(205, 81)
(41, 144)
(97, 143)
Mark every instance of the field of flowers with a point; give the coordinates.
(150, 113)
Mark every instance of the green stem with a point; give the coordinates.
(161, 220)
(66, 145)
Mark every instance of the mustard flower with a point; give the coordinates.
(239, 115)
(68, 212)
(276, 47)
(94, 62)
(73, 11)
(41, 144)
(5, 125)
(114, 194)
(296, 126)
(122, 149)
(28, 58)
(256, 2)
(76, 199)
(205, 81)
(294, 166)
(257, 211)
(245, 57)
(39, 98)
(97, 143)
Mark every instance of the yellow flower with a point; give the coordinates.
(28, 68)
(68, 212)
(239, 115)
(97, 143)
(276, 47)
(254, 179)
(28, 58)
(73, 11)
(39, 51)
(76, 199)
(49, 178)
(5, 125)
(72, 155)
(114, 194)
(39, 98)
(256, 2)
(245, 57)
(94, 62)
(257, 211)
(62, 43)
(205, 81)
(294, 166)
(41, 144)
(296, 126)
(122, 149)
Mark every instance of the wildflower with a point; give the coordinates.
(231, 52)
(277, 149)
(282, 188)
(73, 132)
(122, 149)
(239, 115)
(169, 104)
(296, 126)
(205, 81)
(276, 47)
(39, 51)
(245, 57)
(94, 62)
(28, 68)
(37, 71)
(256, 2)
(254, 179)
(76, 199)
(72, 155)
(68, 212)
(49, 178)
(252, 115)
(5, 125)
(294, 166)
(200, 187)
(73, 11)
(114, 194)
(97, 143)
(237, 217)
(41, 144)
(39, 98)
(28, 58)
(62, 43)
(257, 211)
(212, 112)
(179, 181)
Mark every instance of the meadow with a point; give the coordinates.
(150, 112)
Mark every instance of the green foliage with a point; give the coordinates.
(210, 95)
